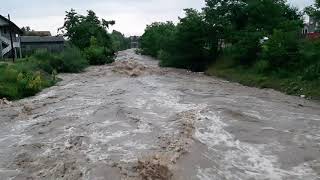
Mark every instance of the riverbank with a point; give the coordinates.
(107, 123)
(22, 79)
(291, 85)
(31, 75)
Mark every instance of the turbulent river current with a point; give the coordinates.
(134, 120)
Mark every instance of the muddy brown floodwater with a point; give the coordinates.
(134, 120)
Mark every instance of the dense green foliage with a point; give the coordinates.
(187, 46)
(22, 79)
(97, 55)
(89, 43)
(157, 37)
(69, 61)
(18, 81)
(249, 37)
(119, 41)
(80, 30)
(314, 11)
(72, 60)
(29, 76)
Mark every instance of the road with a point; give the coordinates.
(134, 120)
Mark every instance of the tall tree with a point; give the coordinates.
(189, 50)
(156, 37)
(80, 29)
(119, 41)
(314, 11)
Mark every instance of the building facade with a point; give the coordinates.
(134, 41)
(30, 44)
(311, 27)
(9, 31)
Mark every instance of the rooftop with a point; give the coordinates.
(42, 39)
(13, 25)
(38, 33)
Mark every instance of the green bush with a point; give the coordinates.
(15, 84)
(119, 41)
(72, 60)
(247, 48)
(156, 37)
(282, 50)
(69, 61)
(47, 61)
(180, 46)
(97, 55)
(29, 76)
(312, 72)
(261, 66)
(310, 55)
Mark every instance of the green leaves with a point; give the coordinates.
(97, 55)
(79, 29)
(119, 41)
(89, 34)
(157, 37)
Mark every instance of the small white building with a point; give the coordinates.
(311, 27)
(134, 41)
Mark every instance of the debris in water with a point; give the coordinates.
(54, 166)
(158, 166)
(131, 68)
(4, 101)
(155, 168)
(27, 109)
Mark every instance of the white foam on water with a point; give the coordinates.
(136, 145)
(109, 123)
(143, 128)
(44, 95)
(139, 103)
(117, 148)
(155, 114)
(105, 137)
(96, 154)
(254, 114)
(161, 100)
(240, 160)
(205, 174)
(167, 100)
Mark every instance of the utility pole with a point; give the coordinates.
(11, 39)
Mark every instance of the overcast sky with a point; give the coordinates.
(131, 16)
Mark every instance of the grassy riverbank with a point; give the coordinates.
(291, 84)
(29, 76)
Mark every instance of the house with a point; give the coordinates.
(30, 44)
(134, 41)
(9, 39)
(37, 33)
(311, 29)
